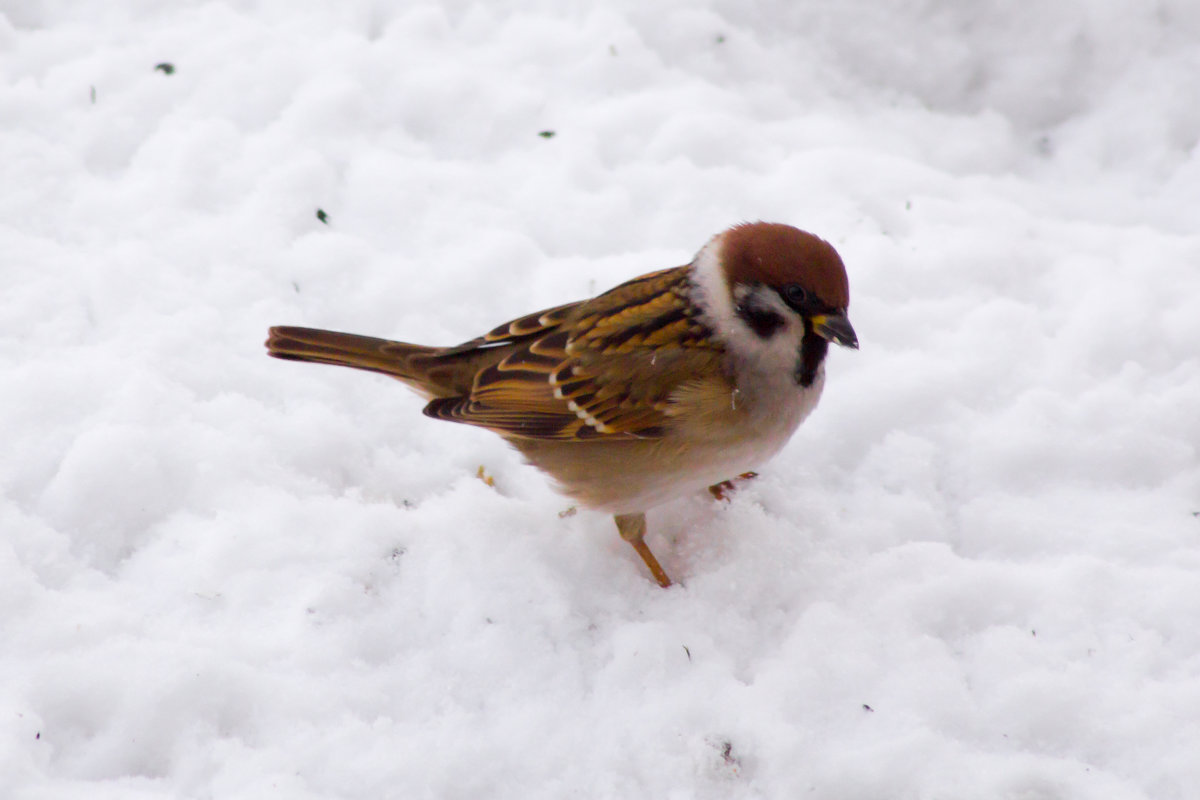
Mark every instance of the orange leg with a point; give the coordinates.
(632, 528)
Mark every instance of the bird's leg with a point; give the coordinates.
(719, 490)
(633, 530)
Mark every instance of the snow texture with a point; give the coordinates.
(973, 573)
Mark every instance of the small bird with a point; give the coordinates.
(668, 383)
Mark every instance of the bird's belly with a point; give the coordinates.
(621, 476)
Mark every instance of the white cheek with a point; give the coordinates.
(754, 358)
(775, 354)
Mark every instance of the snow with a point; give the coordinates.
(974, 572)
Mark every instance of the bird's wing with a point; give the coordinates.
(451, 373)
(606, 367)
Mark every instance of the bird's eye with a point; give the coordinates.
(794, 294)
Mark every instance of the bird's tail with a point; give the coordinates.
(350, 350)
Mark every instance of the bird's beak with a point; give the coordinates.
(835, 328)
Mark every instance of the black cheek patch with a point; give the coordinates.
(762, 321)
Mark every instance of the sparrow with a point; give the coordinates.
(668, 383)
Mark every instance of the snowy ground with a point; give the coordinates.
(975, 573)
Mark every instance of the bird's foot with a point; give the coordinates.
(632, 528)
(722, 490)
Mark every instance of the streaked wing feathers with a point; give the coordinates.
(605, 367)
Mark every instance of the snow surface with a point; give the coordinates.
(974, 573)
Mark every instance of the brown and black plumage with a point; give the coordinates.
(671, 381)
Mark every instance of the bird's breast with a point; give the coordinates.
(718, 431)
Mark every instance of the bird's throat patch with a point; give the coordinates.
(813, 348)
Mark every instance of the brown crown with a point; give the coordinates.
(777, 254)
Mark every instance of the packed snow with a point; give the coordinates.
(973, 573)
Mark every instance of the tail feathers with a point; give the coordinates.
(347, 350)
